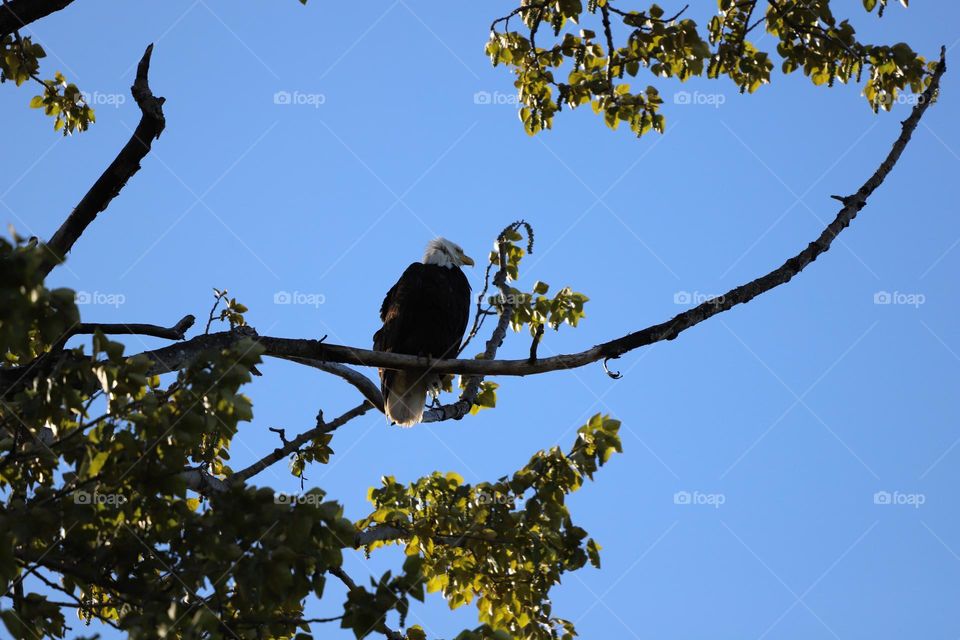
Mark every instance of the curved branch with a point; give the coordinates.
(124, 166)
(176, 356)
(367, 387)
(664, 331)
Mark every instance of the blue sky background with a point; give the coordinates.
(793, 410)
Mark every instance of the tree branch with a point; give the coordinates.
(15, 14)
(124, 166)
(332, 353)
(367, 387)
(294, 445)
(202, 482)
(176, 356)
(176, 332)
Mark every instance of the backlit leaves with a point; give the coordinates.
(93, 454)
(564, 54)
(93, 449)
(501, 546)
(61, 100)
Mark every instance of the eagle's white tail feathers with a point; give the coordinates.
(408, 394)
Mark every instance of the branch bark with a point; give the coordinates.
(15, 14)
(294, 445)
(176, 356)
(176, 332)
(367, 387)
(124, 166)
(292, 348)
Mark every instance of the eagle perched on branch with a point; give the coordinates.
(424, 314)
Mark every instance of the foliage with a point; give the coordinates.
(526, 309)
(101, 501)
(94, 449)
(102, 514)
(232, 313)
(503, 544)
(62, 100)
(582, 65)
(532, 309)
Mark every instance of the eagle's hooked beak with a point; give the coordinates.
(467, 260)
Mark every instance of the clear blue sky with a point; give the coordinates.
(795, 409)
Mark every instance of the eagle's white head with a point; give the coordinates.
(445, 253)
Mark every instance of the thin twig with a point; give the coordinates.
(538, 334)
(219, 295)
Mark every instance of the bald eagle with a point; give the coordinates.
(424, 314)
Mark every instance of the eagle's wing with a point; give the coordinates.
(405, 290)
(425, 312)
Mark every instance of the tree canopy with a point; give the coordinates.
(120, 501)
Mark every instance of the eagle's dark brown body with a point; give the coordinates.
(425, 313)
